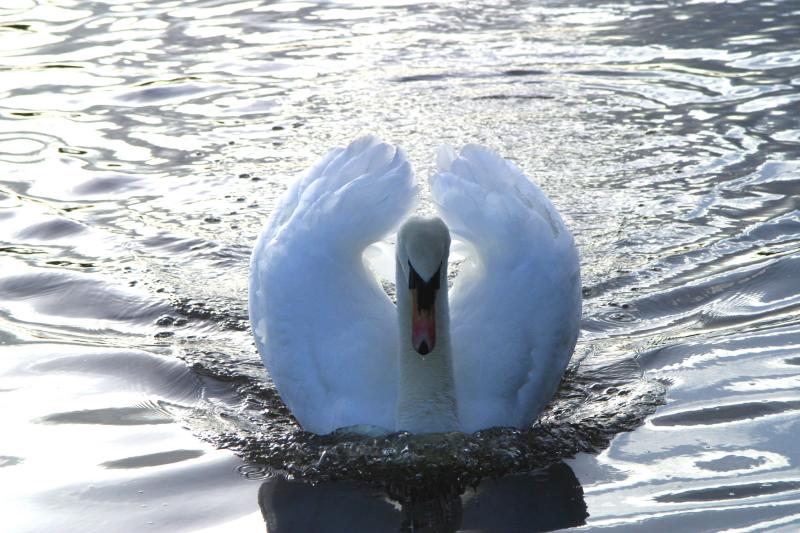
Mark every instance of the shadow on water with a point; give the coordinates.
(545, 500)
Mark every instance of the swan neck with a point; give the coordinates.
(426, 401)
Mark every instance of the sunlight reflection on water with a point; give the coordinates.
(143, 145)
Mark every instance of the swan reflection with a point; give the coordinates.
(544, 500)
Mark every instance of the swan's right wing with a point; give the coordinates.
(515, 305)
(326, 330)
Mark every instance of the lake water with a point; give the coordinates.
(143, 145)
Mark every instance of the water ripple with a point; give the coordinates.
(142, 147)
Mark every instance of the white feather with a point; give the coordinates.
(328, 334)
(324, 327)
(515, 305)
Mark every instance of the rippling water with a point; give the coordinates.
(142, 146)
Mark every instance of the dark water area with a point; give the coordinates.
(142, 147)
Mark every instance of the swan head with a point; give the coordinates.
(423, 247)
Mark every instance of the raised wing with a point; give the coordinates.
(324, 327)
(515, 305)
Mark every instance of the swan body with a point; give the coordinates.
(491, 352)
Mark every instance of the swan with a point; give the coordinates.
(490, 352)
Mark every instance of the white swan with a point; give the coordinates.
(342, 355)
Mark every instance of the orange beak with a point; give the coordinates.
(423, 325)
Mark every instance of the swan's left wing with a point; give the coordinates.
(515, 305)
(325, 329)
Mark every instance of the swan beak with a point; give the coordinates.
(423, 321)
(423, 309)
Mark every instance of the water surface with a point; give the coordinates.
(143, 145)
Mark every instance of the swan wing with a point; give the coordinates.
(516, 302)
(324, 327)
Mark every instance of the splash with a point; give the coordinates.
(244, 413)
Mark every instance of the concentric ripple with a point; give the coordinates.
(142, 147)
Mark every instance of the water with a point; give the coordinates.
(142, 146)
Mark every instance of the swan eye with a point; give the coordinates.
(414, 281)
(435, 279)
